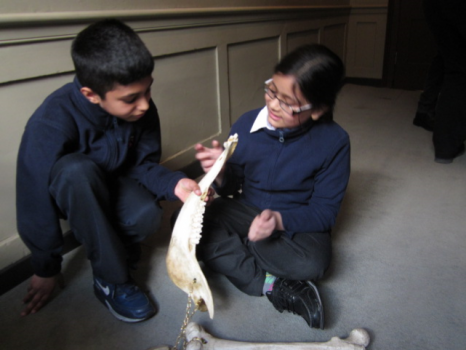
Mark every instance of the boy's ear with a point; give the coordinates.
(90, 95)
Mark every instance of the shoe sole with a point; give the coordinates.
(443, 160)
(121, 317)
(449, 160)
(316, 291)
(102, 299)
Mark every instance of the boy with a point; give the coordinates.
(90, 154)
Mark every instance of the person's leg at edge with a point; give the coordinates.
(446, 21)
(425, 113)
(80, 189)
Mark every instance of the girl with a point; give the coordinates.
(280, 192)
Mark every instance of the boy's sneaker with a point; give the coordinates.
(125, 301)
(298, 297)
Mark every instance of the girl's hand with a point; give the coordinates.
(264, 224)
(207, 156)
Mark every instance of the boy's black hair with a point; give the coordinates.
(109, 52)
(319, 73)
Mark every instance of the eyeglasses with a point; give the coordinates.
(285, 106)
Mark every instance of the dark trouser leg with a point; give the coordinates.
(450, 126)
(82, 193)
(137, 215)
(446, 20)
(428, 99)
(225, 248)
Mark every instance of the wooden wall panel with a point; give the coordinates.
(249, 65)
(366, 43)
(365, 47)
(302, 38)
(34, 60)
(334, 37)
(185, 90)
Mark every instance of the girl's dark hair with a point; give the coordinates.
(109, 52)
(319, 73)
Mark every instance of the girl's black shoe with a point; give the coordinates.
(299, 297)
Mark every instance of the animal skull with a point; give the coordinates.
(182, 265)
(199, 339)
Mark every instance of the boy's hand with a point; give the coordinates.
(39, 292)
(185, 186)
(264, 224)
(207, 156)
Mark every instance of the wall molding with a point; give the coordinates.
(178, 19)
(19, 19)
(53, 32)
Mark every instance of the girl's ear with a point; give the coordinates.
(90, 95)
(317, 113)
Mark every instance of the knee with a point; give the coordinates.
(75, 167)
(312, 271)
(144, 221)
(314, 266)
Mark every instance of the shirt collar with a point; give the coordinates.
(262, 121)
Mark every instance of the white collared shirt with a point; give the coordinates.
(262, 121)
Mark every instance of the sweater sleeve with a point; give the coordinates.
(330, 186)
(146, 168)
(37, 216)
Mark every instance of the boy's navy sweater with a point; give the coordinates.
(67, 122)
(303, 174)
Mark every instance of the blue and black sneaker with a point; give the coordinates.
(125, 301)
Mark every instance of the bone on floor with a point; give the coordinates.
(199, 339)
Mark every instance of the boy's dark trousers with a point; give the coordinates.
(109, 215)
(225, 248)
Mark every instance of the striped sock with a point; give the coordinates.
(268, 283)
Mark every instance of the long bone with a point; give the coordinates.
(199, 339)
(182, 265)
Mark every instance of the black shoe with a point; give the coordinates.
(448, 160)
(298, 297)
(424, 121)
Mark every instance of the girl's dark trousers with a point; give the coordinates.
(225, 248)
